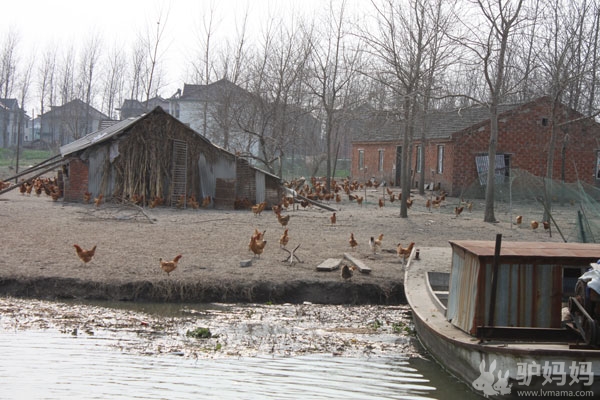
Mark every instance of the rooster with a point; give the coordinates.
(375, 244)
(404, 253)
(284, 239)
(352, 241)
(169, 266)
(85, 255)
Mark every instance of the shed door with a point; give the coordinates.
(179, 172)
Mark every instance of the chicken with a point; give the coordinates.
(409, 203)
(519, 220)
(392, 197)
(359, 200)
(157, 201)
(404, 253)
(283, 220)
(381, 203)
(352, 241)
(98, 200)
(23, 188)
(169, 266)
(546, 225)
(193, 202)
(458, 210)
(257, 246)
(347, 271)
(333, 219)
(206, 201)
(87, 196)
(304, 203)
(470, 206)
(389, 192)
(284, 239)
(534, 225)
(180, 201)
(375, 244)
(85, 255)
(257, 209)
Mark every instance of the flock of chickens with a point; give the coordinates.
(306, 194)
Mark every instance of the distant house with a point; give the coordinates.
(10, 112)
(456, 146)
(69, 122)
(134, 108)
(217, 111)
(156, 155)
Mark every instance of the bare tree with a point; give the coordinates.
(87, 69)
(46, 81)
(8, 70)
(152, 41)
(408, 44)
(138, 55)
(334, 64)
(277, 81)
(491, 46)
(114, 82)
(24, 84)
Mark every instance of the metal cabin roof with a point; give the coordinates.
(482, 248)
(98, 136)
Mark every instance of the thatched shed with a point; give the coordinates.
(156, 155)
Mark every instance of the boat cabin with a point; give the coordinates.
(532, 285)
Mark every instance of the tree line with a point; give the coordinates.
(408, 57)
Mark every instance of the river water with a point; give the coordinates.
(48, 364)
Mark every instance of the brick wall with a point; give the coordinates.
(524, 134)
(76, 183)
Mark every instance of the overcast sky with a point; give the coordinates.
(41, 23)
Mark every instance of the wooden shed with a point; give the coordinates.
(156, 155)
(533, 281)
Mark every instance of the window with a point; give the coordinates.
(380, 168)
(440, 160)
(361, 160)
(419, 156)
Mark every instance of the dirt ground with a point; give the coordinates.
(37, 257)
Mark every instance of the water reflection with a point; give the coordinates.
(58, 366)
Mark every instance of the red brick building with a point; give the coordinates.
(456, 146)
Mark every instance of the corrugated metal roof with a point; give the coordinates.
(483, 248)
(98, 136)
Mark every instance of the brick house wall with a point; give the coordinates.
(524, 135)
(76, 183)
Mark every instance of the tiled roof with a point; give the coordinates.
(372, 126)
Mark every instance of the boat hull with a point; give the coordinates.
(533, 367)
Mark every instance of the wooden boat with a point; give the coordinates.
(491, 314)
